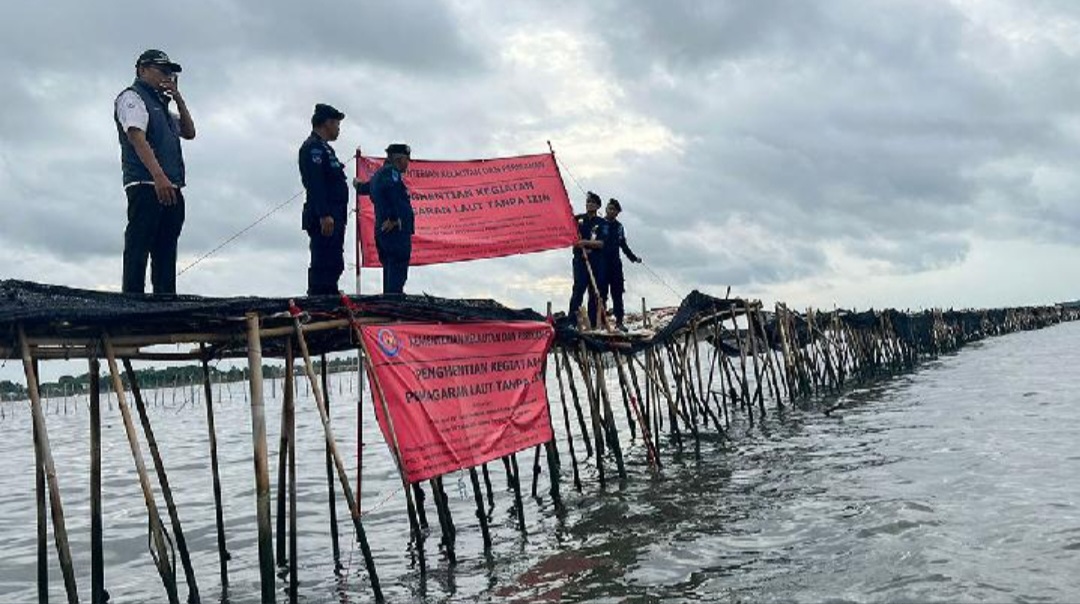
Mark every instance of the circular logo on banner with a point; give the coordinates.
(388, 342)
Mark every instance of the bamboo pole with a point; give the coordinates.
(41, 496)
(262, 471)
(446, 523)
(516, 484)
(683, 387)
(744, 382)
(331, 496)
(594, 412)
(282, 517)
(487, 486)
(577, 403)
(601, 311)
(421, 514)
(566, 422)
(481, 516)
(645, 436)
(395, 450)
(550, 447)
(536, 471)
(380, 396)
(163, 482)
(625, 393)
(752, 332)
(294, 562)
(699, 398)
(98, 595)
(343, 477)
(219, 516)
(160, 548)
(781, 326)
(609, 418)
(359, 427)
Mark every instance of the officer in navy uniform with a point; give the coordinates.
(152, 162)
(394, 218)
(327, 203)
(592, 231)
(614, 242)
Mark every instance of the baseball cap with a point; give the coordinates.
(157, 58)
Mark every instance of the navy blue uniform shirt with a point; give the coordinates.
(590, 228)
(323, 176)
(614, 241)
(391, 200)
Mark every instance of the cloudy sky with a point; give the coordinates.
(889, 153)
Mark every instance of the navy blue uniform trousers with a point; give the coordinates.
(582, 288)
(327, 259)
(395, 252)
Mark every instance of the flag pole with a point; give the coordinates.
(359, 361)
(357, 238)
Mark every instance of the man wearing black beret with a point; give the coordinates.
(394, 220)
(327, 202)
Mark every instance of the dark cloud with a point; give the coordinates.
(79, 37)
(841, 121)
(753, 144)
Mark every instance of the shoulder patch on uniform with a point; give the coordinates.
(316, 155)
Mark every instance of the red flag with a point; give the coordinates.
(483, 208)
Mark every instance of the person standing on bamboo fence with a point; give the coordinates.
(614, 243)
(588, 270)
(152, 162)
(326, 205)
(394, 218)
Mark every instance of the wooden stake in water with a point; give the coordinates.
(163, 481)
(42, 514)
(332, 499)
(98, 595)
(294, 562)
(343, 477)
(516, 483)
(417, 536)
(577, 402)
(219, 517)
(566, 421)
(262, 469)
(281, 552)
(160, 549)
(594, 411)
(481, 515)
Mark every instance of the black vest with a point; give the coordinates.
(163, 135)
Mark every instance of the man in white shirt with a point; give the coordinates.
(153, 170)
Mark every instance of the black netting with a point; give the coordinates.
(694, 306)
(63, 312)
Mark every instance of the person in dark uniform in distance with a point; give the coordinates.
(327, 202)
(394, 219)
(614, 243)
(153, 169)
(592, 231)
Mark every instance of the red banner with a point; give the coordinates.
(459, 395)
(484, 208)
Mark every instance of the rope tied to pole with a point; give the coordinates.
(244, 230)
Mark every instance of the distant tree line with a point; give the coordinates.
(152, 377)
